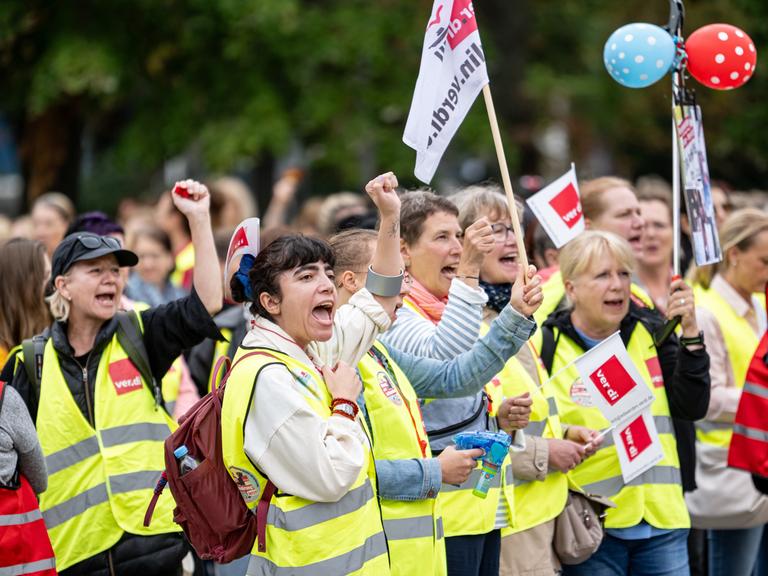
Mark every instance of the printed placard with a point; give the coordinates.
(637, 445)
(558, 208)
(613, 381)
(245, 240)
(125, 376)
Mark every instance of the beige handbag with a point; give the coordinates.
(579, 527)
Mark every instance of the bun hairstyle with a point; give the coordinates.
(260, 274)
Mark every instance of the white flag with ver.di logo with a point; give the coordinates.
(557, 207)
(611, 379)
(637, 445)
(451, 75)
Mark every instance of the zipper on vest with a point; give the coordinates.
(88, 404)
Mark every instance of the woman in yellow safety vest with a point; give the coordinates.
(540, 485)
(90, 383)
(441, 318)
(731, 312)
(291, 434)
(409, 477)
(646, 533)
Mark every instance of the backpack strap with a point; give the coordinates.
(548, 345)
(130, 337)
(261, 515)
(32, 351)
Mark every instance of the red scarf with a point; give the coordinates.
(427, 302)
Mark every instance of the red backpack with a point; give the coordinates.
(209, 507)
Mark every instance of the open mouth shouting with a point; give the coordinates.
(323, 313)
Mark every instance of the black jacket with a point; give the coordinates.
(200, 358)
(168, 330)
(686, 379)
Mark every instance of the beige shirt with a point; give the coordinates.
(303, 453)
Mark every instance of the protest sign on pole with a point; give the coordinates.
(612, 381)
(696, 185)
(451, 75)
(637, 445)
(557, 207)
(245, 240)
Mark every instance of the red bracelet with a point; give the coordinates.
(342, 413)
(337, 401)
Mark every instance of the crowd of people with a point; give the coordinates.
(366, 333)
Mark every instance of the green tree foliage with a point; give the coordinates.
(146, 80)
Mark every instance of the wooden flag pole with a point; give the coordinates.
(523, 257)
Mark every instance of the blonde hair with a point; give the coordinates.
(353, 250)
(474, 202)
(592, 192)
(60, 203)
(739, 230)
(581, 253)
(59, 306)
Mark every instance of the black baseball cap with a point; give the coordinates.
(88, 246)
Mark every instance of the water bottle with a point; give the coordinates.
(186, 462)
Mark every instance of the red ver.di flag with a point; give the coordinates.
(451, 75)
(613, 382)
(557, 207)
(637, 445)
(245, 240)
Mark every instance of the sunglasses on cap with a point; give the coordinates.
(93, 242)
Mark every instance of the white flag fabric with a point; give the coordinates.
(638, 445)
(451, 75)
(245, 240)
(558, 209)
(613, 382)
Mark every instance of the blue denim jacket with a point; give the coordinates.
(465, 375)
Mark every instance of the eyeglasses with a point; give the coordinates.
(93, 242)
(502, 231)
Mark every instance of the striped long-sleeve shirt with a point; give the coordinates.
(455, 333)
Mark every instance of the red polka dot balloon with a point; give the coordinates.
(721, 56)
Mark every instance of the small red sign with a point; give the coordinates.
(240, 240)
(567, 205)
(125, 377)
(654, 369)
(636, 438)
(612, 380)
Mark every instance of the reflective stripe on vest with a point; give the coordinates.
(29, 568)
(535, 502)
(398, 433)
(101, 479)
(355, 561)
(657, 495)
(302, 536)
(740, 345)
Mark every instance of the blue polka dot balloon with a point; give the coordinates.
(637, 55)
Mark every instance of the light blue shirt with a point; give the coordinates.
(464, 375)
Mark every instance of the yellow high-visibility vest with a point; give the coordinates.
(740, 345)
(536, 502)
(414, 529)
(184, 262)
(655, 496)
(302, 536)
(101, 478)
